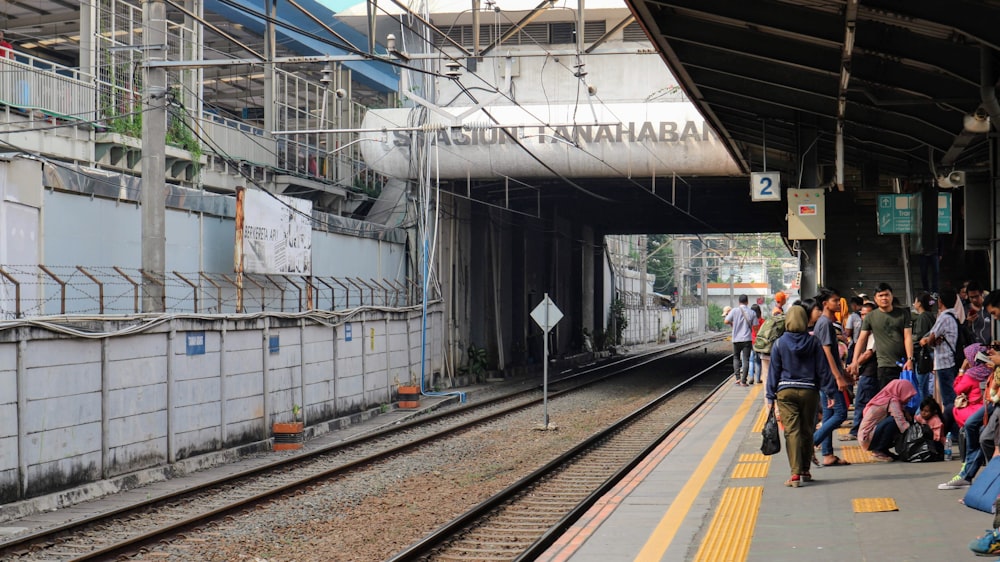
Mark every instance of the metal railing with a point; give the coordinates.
(239, 140)
(38, 290)
(33, 84)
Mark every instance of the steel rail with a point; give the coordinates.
(462, 523)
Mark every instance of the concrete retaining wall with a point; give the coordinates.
(79, 409)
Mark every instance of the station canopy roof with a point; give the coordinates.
(903, 79)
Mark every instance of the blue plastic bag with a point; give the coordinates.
(913, 403)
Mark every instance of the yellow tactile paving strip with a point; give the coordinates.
(854, 454)
(874, 505)
(758, 425)
(754, 457)
(751, 469)
(732, 527)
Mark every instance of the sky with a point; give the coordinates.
(338, 5)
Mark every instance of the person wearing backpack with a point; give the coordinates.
(944, 338)
(742, 320)
(767, 334)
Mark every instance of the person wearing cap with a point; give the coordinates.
(922, 324)
(780, 298)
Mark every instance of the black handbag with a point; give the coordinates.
(925, 360)
(771, 442)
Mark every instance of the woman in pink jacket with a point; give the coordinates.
(970, 382)
(885, 419)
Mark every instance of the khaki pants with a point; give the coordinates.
(797, 408)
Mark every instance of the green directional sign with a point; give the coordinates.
(944, 213)
(897, 213)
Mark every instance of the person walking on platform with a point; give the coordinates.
(892, 329)
(741, 319)
(798, 371)
(755, 360)
(833, 416)
(867, 380)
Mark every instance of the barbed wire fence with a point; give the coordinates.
(37, 290)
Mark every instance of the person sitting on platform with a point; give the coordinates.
(885, 418)
(798, 371)
(974, 457)
(969, 384)
(930, 415)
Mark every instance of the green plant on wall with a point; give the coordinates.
(179, 134)
(128, 125)
(715, 317)
(617, 321)
(478, 360)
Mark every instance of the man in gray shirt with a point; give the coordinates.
(742, 319)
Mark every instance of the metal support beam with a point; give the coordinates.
(517, 27)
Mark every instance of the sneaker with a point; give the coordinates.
(986, 545)
(955, 483)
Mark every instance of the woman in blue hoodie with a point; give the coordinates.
(799, 370)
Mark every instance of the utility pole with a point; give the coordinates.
(154, 133)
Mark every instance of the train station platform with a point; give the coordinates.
(707, 494)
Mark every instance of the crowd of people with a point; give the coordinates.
(925, 373)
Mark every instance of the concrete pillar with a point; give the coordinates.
(154, 134)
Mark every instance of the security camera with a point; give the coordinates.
(951, 180)
(341, 93)
(390, 42)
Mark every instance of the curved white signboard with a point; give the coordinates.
(608, 140)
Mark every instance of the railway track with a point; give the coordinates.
(524, 519)
(128, 529)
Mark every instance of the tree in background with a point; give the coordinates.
(660, 262)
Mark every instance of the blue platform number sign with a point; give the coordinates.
(765, 186)
(273, 344)
(348, 333)
(195, 343)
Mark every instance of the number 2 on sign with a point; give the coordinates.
(765, 183)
